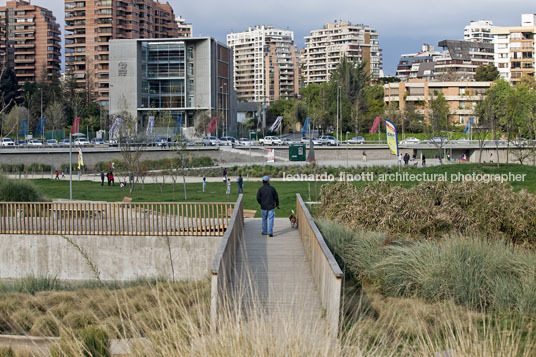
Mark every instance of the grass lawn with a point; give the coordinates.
(87, 190)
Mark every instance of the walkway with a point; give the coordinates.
(273, 274)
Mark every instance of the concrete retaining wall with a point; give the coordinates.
(119, 258)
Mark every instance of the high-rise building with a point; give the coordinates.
(324, 49)
(29, 41)
(184, 29)
(91, 24)
(478, 31)
(515, 49)
(461, 58)
(418, 65)
(265, 65)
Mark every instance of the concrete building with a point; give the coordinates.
(189, 78)
(418, 65)
(265, 64)
(324, 49)
(478, 31)
(29, 41)
(90, 25)
(461, 58)
(462, 97)
(184, 29)
(515, 48)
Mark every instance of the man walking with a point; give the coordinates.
(102, 178)
(268, 199)
(240, 182)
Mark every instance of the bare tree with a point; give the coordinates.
(55, 115)
(12, 122)
(201, 121)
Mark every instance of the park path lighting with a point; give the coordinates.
(76, 135)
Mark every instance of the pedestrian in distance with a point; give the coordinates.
(225, 175)
(112, 178)
(491, 157)
(108, 177)
(228, 191)
(399, 159)
(423, 160)
(62, 174)
(269, 201)
(240, 182)
(57, 175)
(102, 178)
(406, 159)
(204, 183)
(364, 156)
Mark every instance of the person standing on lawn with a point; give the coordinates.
(240, 182)
(268, 199)
(228, 192)
(204, 183)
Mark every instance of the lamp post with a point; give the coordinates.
(347, 149)
(71, 163)
(338, 108)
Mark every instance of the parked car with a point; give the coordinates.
(35, 142)
(328, 140)
(81, 142)
(356, 140)
(7, 142)
(270, 140)
(438, 140)
(244, 142)
(21, 143)
(98, 141)
(408, 141)
(210, 141)
(305, 140)
(287, 141)
(113, 142)
(227, 140)
(161, 142)
(64, 142)
(51, 142)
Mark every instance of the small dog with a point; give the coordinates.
(293, 220)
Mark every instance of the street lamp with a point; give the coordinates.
(347, 148)
(76, 135)
(338, 107)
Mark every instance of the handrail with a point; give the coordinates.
(327, 275)
(115, 218)
(224, 260)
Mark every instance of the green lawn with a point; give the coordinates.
(87, 190)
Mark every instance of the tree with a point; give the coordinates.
(485, 73)
(12, 122)
(9, 89)
(439, 119)
(55, 115)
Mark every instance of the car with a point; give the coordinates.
(227, 140)
(409, 141)
(356, 140)
(328, 140)
(161, 142)
(210, 141)
(81, 142)
(270, 140)
(8, 142)
(244, 142)
(51, 142)
(98, 141)
(21, 143)
(64, 142)
(287, 141)
(438, 140)
(113, 142)
(35, 142)
(305, 140)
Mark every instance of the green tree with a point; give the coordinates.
(9, 90)
(439, 119)
(484, 73)
(55, 115)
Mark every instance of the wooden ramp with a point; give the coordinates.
(273, 275)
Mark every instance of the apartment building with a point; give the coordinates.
(478, 31)
(265, 64)
(29, 41)
(418, 65)
(462, 97)
(183, 77)
(184, 29)
(324, 49)
(515, 49)
(91, 24)
(460, 59)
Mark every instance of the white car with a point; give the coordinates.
(244, 142)
(210, 141)
(270, 140)
(356, 140)
(7, 142)
(35, 142)
(305, 140)
(81, 142)
(328, 140)
(410, 141)
(227, 140)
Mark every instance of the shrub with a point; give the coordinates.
(96, 342)
(19, 191)
(6, 352)
(45, 326)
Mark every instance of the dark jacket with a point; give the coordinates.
(267, 197)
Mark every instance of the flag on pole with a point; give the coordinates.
(178, 130)
(468, 125)
(80, 158)
(277, 123)
(212, 125)
(306, 126)
(375, 125)
(76, 125)
(23, 128)
(150, 126)
(392, 140)
(114, 129)
(40, 128)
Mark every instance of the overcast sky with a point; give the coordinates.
(403, 25)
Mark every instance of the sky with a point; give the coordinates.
(403, 26)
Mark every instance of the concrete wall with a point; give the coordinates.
(119, 258)
(127, 53)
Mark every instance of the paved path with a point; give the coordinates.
(273, 274)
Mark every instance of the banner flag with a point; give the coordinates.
(212, 125)
(375, 125)
(311, 155)
(114, 129)
(76, 125)
(306, 126)
(277, 123)
(24, 128)
(468, 125)
(392, 139)
(40, 127)
(150, 126)
(80, 158)
(178, 130)
(270, 156)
